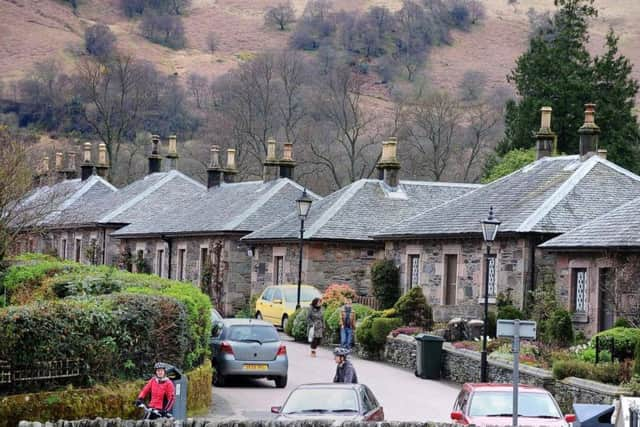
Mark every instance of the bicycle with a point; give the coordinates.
(153, 414)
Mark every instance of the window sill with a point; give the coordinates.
(580, 318)
(492, 300)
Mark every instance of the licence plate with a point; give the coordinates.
(253, 367)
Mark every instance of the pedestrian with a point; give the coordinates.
(347, 324)
(345, 372)
(315, 322)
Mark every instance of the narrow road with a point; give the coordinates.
(404, 396)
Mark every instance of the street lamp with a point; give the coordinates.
(489, 230)
(304, 204)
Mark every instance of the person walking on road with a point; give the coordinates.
(345, 372)
(347, 324)
(315, 322)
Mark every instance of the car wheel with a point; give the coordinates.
(285, 320)
(281, 382)
(259, 316)
(219, 380)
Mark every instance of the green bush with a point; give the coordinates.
(413, 309)
(289, 327)
(559, 328)
(385, 280)
(492, 324)
(621, 322)
(603, 372)
(381, 327)
(625, 340)
(510, 312)
(364, 334)
(589, 355)
(300, 331)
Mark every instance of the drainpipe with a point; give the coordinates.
(532, 271)
(170, 250)
(104, 246)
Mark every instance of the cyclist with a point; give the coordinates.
(162, 392)
(345, 372)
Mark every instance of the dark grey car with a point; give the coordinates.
(249, 348)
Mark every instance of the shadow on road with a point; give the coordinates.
(246, 382)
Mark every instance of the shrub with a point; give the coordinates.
(381, 327)
(363, 332)
(603, 372)
(333, 321)
(166, 30)
(589, 355)
(300, 330)
(621, 322)
(625, 340)
(559, 328)
(413, 309)
(337, 294)
(385, 282)
(280, 15)
(289, 327)
(99, 41)
(510, 312)
(636, 362)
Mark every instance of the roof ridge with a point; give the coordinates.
(617, 168)
(133, 201)
(440, 183)
(78, 193)
(176, 172)
(105, 182)
(301, 187)
(329, 213)
(255, 205)
(558, 195)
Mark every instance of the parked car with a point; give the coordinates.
(277, 303)
(249, 348)
(216, 323)
(490, 404)
(337, 401)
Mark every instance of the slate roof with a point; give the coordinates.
(551, 195)
(361, 208)
(618, 229)
(230, 207)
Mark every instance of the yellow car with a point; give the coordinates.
(277, 303)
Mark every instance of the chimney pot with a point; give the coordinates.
(58, 161)
(271, 165)
(287, 154)
(271, 149)
(86, 152)
(71, 161)
(155, 161)
(389, 166)
(545, 120)
(287, 164)
(545, 136)
(230, 171)
(602, 153)
(588, 132)
(102, 154)
(173, 145)
(45, 165)
(215, 157)
(214, 171)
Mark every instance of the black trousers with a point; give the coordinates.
(315, 342)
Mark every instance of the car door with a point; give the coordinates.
(263, 304)
(372, 409)
(277, 306)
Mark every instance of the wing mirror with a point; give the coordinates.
(570, 418)
(277, 301)
(456, 416)
(276, 409)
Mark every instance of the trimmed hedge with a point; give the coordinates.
(608, 373)
(625, 341)
(108, 401)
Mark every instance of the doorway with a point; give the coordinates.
(606, 309)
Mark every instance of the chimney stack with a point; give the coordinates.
(86, 169)
(60, 175)
(214, 171)
(155, 160)
(71, 172)
(42, 172)
(602, 153)
(287, 164)
(589, 132)
(230, 171)
(389, 166)
(270, 165)
(172, 155)
(102, 168)
(545, 137)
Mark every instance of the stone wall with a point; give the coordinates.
(463, 366)
(226, 423)
(106, 248)
(322, 264)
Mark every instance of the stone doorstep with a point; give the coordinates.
(596, 387)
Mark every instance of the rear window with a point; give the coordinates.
(319, 400)
(253, 333)
(306, 294)
(500, 404)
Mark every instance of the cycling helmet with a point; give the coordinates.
(341, 351)
(160, 365)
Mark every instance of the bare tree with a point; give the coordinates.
(115, 97)
(99, 41)
(280, 15)
(483, 120)
(212, 42)
(472, 85)
(432, 124)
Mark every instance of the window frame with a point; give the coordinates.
(278, 270)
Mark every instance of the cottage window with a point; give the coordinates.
(414, 270)
(159, 262)
(278, 262)
(181, 262)
(492, 286)
(579, 290)
(63, 249)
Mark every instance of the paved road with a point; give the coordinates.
(403, 396)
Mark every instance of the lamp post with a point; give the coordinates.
(304, 204)
(489, 230)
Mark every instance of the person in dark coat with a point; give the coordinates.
(315, 320)
(345, 372)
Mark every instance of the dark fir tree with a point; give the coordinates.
(557, 70)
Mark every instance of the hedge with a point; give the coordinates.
(608, 373)
(625, 341)
(300, 328)
(108, 401)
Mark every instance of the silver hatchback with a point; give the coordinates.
(249, 348)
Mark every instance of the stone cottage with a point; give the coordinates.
(597, 269)
(196, 236)
(536, 203)
(337, 243)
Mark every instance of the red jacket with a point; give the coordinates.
(161, 392)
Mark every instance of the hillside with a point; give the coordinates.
(35, 30)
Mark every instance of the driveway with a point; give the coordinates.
(404, 396)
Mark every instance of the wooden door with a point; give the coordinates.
(606, 310)
(451, 277)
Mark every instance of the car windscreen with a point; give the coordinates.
(321, 400)
(253, 333)
(306, 294)
(500, 404)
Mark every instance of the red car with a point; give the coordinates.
(487, 404)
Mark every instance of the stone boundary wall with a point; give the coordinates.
(99, 422)
(463, 366)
